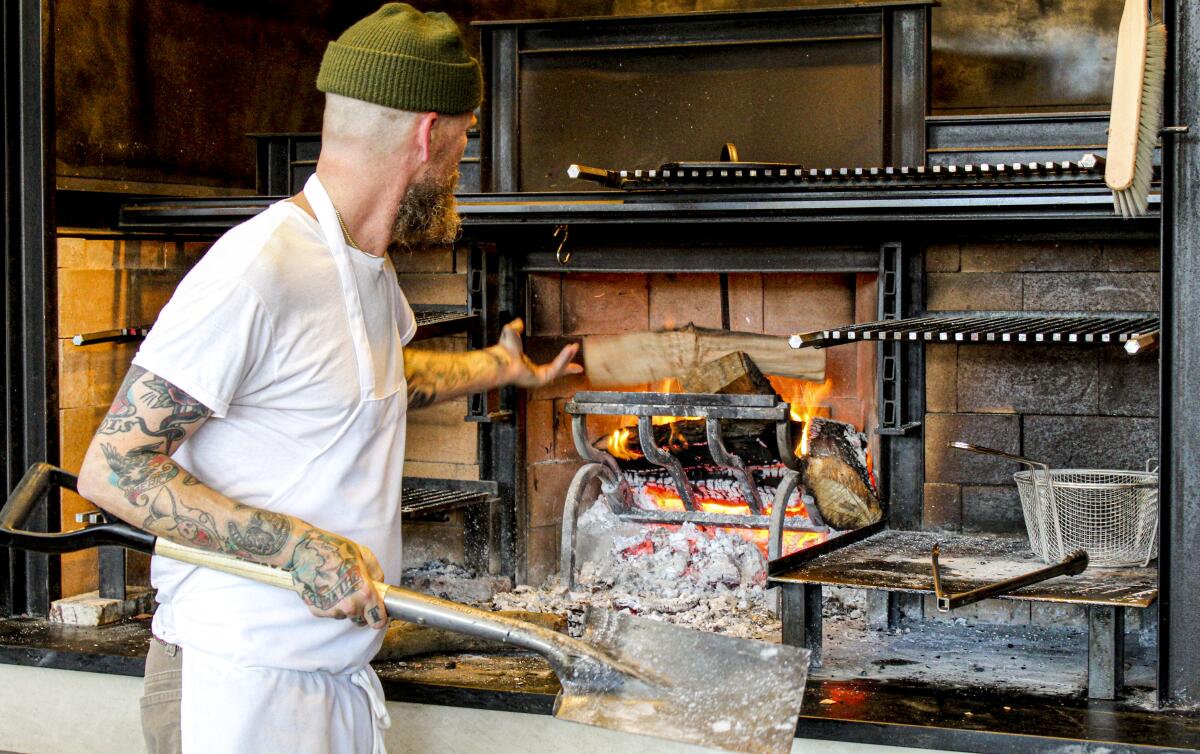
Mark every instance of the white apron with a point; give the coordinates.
(260, 673)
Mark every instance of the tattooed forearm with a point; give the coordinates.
(434, 376)
(320, 566)
(265, 535)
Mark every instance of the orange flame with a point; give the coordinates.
(618, 441)
(805, 398)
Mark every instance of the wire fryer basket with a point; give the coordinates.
(1113, 515)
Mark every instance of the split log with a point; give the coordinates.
(404, 640)
(641, 357)
(836, 475)
(733, 373)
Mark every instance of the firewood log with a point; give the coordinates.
(836, 475)
(641, 357)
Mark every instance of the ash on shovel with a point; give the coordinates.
(707, 580)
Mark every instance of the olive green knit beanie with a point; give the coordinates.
(402, 58)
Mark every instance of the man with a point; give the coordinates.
(264, 416)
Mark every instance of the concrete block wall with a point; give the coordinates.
(1069, 406)
(565, 307)
(103, 283)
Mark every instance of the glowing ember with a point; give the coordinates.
(665, 498)
(618, 441)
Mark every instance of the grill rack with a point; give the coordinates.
(676, 175)
(433, 499)
(997, 328)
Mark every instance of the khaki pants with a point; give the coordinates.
(161, 692)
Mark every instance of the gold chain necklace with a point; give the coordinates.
(345, 230)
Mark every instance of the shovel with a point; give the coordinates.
(629, 674)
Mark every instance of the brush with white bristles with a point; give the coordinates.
(1137, 103)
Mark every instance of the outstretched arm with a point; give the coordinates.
(434, 376)
(128, 471)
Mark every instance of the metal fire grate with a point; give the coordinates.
(1008, 328)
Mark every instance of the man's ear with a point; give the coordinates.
(424, 135)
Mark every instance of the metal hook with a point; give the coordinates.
(562, 254)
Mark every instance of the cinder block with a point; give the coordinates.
(992, 510)
(431, 259)
(941, 377)
(942, 257)
(746, 301)
(596, 304)
(1097, 442)
(140, 253)
(972, 291)
(1012, 378)
(1133, 256)
(1128, 385)
(560, 421)
(1091, 291)
(995, 612)
(1031, 257)
(439, 470)
(102, 254)
(74, 377)
(150, 290)
(547, 490)
(108, 363)
(841, 366)
(71, 252)
(545, 304)
(434, 288)
(539, 430)
(75, 429)
(803, 302)
(91, 300)
(943, 508)
(432, 442)
(446, 414)
(953, 466)
(679, 299)
(541, 553)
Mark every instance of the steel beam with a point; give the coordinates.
(30, 368)
(1179, 433)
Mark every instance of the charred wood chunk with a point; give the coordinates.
(837, 477)
(686, 439)
(732, 373)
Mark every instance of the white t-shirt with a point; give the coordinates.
(258, 332)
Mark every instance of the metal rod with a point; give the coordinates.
(727, 460)
(660, 457)
(1073, 565)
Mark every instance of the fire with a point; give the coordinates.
(618, 441)
(666, 498)
(805, 398)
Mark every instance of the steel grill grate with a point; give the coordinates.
(426, 502)
(1012, 328)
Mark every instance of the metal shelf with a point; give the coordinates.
(433, 499)
(439, 321)
(989, 328)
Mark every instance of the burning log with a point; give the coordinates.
(752, 441)
(837, 476)
(641, 357)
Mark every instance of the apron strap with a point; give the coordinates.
(367, 680)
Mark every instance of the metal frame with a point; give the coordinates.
(1179, 362)
(29, 582)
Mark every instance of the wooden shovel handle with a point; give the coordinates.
(263, 574)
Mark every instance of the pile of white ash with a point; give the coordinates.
(451, 581)
(708, 580)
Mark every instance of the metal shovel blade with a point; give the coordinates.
(696, 687)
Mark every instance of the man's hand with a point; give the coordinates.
(521, 370)
(434, 376)
(334, 576)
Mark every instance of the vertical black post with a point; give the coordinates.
(31, 405)
(498, 137)
(907, 64)
(1179, 432)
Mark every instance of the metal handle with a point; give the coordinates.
(1000, 453)
(1073, 565)
(31, 490)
